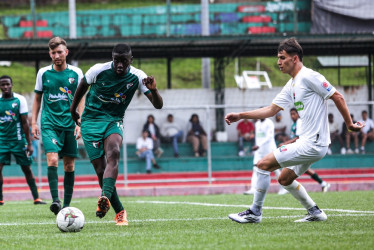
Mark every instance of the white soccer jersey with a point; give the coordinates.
(309, 92)
(369, 125)
(264, 131)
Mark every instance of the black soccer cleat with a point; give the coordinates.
(55, 207)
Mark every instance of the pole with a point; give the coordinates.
(168, 18)
(72, 25)
(205, 64)
(32, 6)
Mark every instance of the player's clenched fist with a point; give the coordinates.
(232, 117)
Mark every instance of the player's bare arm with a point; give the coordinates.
(260, 113)
(340, 103)
(26, 130)
(78, 103)
(154, 97)
(35, 112)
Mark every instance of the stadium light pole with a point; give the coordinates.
(205, 63)
(32, 6)
(73, 25)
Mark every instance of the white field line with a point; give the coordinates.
(245, 206)
(168, 220)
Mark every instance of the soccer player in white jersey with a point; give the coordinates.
(308, 91)
(264, 144)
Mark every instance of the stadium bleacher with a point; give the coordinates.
(228, 18)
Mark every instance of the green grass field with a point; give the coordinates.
(197, 222)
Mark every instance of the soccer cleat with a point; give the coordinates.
(246, 216)
(249, 192)
(103, 206)
(156, 166)
(55, 207)
(121, 218)
(1, 203)
(326, 187)
(39, 201)
(317, 215)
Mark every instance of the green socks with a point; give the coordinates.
(316, 178)
(53, 182)
(33, 188)
(115, 202)
(108, 187)
(68, 188)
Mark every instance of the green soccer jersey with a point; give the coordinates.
(58, 89)
(10, 119)
(109, 94)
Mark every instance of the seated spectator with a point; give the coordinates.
(197, 136)
(367, 132)
(246, 132)
(172, 132)
(280, 127)
(334, 133)
(347, 136)
(144, 146)
(154, 134)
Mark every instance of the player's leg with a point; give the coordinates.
(281, 190)
(253, 181)
(324, 185)
(32, 185)
(254, 213)
(1, 184)
(69, 178)
(288, 180)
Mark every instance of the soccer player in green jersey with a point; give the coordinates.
(15, 135)
(56, 85)
(111, 87)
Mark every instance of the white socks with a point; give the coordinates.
(299, 192)
(262, 186)
(254, 178)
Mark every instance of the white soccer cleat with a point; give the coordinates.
(246, 216)
(313, 217)
(282, 191)
(249, 192)
(326, 188)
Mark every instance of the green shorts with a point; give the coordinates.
(94, 134)
(59, 141)
(18, 149)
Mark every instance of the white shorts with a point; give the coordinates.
(298, 156)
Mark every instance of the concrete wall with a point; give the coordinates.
(182, 103)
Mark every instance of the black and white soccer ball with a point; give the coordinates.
(70, 219)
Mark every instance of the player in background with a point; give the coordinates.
(294, 135)
(264, 144)
(56, 85)
(110, 87)
(15, 135)
(308, 91)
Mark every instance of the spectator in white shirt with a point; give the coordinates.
(144, 146)
(367, 132)
(172, 132)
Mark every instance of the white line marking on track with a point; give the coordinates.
(246, 206)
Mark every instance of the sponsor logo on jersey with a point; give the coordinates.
(283, 148)
(71, 80)
(11, 114)
(14, 105)
(96, 144)
(54, 141)
(299, 106)
(327, 86)
(5, 119)
(67, 91)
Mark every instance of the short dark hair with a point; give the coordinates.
(364, 112)
(292, 47)
(6, 77)
(55, 42)
(122, 48)
(170, 115)
(293, 109)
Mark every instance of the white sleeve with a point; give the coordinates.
(284, 98)
(298, 127)
(141, 75)
(320, 85)
(138, 143)
(39, 81)
(23, 109)
(92, 73)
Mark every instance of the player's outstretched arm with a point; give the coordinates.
(340, 103)
(79, 93)
(154, 97)
(260, 113)
(35, 112)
